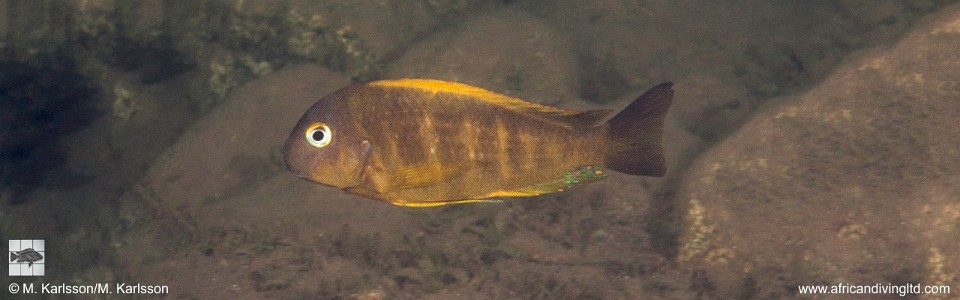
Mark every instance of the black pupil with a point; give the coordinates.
(317, 135)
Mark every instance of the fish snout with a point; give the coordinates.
(293, 164)
(291, 157)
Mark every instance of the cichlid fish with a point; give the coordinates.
(422, 142)
(26, 255)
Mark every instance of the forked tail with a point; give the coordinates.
(636, 134)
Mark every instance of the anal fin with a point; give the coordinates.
(576, 176)
(441, 203)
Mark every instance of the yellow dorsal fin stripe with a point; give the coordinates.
(562, 117)
(440, 86)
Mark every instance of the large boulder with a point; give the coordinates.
(856, 181)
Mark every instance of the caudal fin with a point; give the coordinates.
(636, 134)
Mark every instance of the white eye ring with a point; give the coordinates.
(319, 135)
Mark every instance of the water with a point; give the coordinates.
(143, 142)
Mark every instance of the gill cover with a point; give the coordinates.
(323, 146)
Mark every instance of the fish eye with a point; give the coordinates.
(319, 135)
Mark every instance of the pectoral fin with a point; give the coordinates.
(426, 174)
(361, 165)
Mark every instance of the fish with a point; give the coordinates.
(426, 142)
(26, 255)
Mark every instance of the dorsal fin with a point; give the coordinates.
(583, 119)
(562, 117)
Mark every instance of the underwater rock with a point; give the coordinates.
(388, 27)
(856, 181)
(764, 46)
(537, 63)
(710, 107)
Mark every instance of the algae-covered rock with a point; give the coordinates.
(388, 27)
(855, 181)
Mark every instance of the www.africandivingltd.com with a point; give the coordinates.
(878, 288)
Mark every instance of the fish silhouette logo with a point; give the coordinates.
(27, 257)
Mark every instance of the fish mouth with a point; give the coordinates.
(300, 173)
(294, 163)
(351, 175)
(287, 157)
